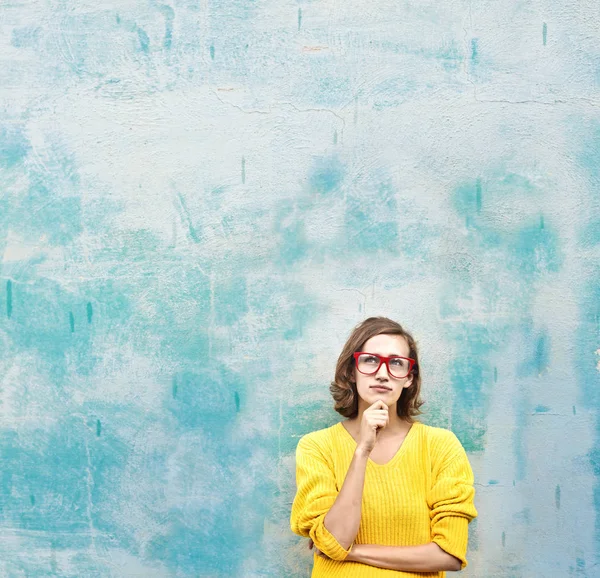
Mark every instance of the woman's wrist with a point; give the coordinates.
(354, 554)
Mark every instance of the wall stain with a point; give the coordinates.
(9, 298)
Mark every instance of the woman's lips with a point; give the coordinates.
(380, 389)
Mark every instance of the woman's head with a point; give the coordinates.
(381, 336)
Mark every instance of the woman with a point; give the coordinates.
(381, 494)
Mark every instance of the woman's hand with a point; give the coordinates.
(318, 552)
(374, 419)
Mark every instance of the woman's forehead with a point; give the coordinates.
(385, 344)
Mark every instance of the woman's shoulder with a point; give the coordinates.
(320, 436)
(325, 439)
(439, 438)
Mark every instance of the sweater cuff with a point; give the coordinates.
(451, 535)
(327, 542)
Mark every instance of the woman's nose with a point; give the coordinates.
(382, 370)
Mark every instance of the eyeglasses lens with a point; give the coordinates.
(398, 366)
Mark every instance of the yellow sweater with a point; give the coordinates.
(423, 494)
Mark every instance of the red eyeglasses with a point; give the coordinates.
(397, 366)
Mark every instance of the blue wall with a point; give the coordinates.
(199, 200)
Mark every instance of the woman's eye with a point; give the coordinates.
(397, 362)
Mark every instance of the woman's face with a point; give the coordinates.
(383, 345)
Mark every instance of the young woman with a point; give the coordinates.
(381, 494)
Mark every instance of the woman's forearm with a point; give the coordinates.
(423, 558)
(343, 518)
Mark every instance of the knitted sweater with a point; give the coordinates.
(423, 494)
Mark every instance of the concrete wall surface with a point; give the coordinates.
(200, 199)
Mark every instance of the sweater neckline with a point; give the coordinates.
(401, 450)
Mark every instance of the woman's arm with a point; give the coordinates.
(331, 518)
(424, 558)
(343, 518)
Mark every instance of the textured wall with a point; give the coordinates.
(199, 200)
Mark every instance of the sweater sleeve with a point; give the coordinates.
(316, 493)
(450, 499)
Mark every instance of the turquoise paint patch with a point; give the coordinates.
(541, 409)
(468, 198)
(56, 471)
(186, 218)
(26, 37)
(89, 312)
(472, 381)
(169, 16)
(474, 51)
(14, 146)
(206, 399)
(468, 422)
(42, 213)
(588, 376)
(449, 55)
(370, 220)
(590, 234)
(393, 92)
(521, 408)
(301, 314)
(531, 249)
(544, 33)
(230, 300)
(536, 249)
(493, 482)
(39, 325)
(588, 329)
(144, 40)
(212, 52)
(299, 18)
(282, 318)
(326, 175)
(539, 360)
(289, 229)
(9, 299)
(72, 321)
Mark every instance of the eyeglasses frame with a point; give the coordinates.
(386, 360)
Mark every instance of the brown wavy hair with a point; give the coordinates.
(343, 387)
